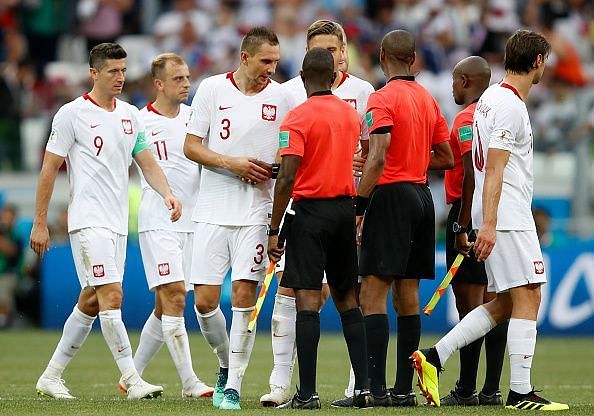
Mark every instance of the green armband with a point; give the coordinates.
(140, 145)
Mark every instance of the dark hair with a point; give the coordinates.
(521, 51)
(318, 66)
(325, 27)
(256, 37)
(104, 51)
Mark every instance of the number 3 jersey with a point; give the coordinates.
(501, 122)
(235, 124)
(165, 138)
(98, 146)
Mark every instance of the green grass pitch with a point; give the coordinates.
(563, 368)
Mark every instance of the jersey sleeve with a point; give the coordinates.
(507, 123)
(377, 115)
(200, 112)
(291, 137)
(463, 132)
(62, 136)
(365, 99)
(441, 132)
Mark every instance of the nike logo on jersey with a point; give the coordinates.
(122, 349)
(154, 133)
(254, 270)
(278, 336)
(237, 352)
(94, 125)
(224, 108)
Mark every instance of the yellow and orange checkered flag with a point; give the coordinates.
(289, 215)
(428, 309)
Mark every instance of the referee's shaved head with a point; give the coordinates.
(399, 45)
(318, 68)
(475, 68)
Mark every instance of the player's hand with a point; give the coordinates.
(39, 240)
(462, 245)
(358, 163)
(274, 252)
(485, 241)
(174, 206)
(250, 170)
(359, 222)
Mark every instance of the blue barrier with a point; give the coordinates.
(567, 301)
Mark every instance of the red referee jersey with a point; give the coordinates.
(324, 131)
(461, 143)
(417, 124)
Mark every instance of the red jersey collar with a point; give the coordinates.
(86, 96)
(512, 88)
(150, 107)
(230, 78)
(344, 77)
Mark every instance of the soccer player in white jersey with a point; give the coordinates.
(166, 247)
(237, 115)
(98, 136)
(502, 151)
(330, 36)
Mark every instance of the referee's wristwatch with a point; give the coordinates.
(272, 231)
(458, 229)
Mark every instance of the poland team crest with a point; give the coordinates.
(268, 112)
(352, 102)
(127, 126)
(163, 269)
(98, 270)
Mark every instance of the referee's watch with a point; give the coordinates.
(272, 231)
(458, 229)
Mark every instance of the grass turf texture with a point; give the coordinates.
(563, 368)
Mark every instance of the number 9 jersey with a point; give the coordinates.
(236, 124)
(98, 146)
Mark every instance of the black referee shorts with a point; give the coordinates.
(399, 233)
(470, 271)
(322, 238)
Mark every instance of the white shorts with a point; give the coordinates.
(220, 247)
(516, 260)
(166, 256)
(99, 256)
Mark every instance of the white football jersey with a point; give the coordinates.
(501, 122)
(235, 124)
(165, 137)
(351, 89)
(98, 146)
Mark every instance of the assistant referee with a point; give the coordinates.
(408, 136)
(317, 141)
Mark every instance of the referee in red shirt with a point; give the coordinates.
(317, 141)
(408, 135)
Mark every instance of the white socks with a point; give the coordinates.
(76, 329)
(242, 343)
(115, 335)
(151, 341)
(350, 390)
(521, 341)
(176, 338)
(214, 329)
(283, 340)
(473, 326)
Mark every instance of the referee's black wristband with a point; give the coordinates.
(361, 203)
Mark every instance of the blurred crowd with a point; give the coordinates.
(44, 45)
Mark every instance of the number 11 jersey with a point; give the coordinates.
(235, 124)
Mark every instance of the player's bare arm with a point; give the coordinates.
(156, 179)
(442, 157)
(461, 243)
(250, 169)
(39, 240)
(282, 194)
(485, 241)
(374, 165)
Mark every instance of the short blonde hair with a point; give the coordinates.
(325, 27)
(160, 62)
